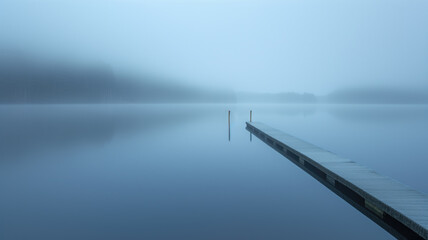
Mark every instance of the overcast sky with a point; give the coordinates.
(270, 46)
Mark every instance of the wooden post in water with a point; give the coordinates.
(228, 120)
(251, 134)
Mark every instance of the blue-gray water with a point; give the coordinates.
(170, 171)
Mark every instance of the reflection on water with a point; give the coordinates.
(30, 128)
(387, 114)
(167, 171)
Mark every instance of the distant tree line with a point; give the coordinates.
(23, 81)
(285, 97)
(378, 95)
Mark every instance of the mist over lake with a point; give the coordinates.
(125, 119)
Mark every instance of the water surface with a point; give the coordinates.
(172, 172)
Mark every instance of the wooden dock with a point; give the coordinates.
(399, 209)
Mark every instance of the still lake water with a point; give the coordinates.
(170, 171)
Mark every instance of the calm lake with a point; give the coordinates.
(172, 172)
